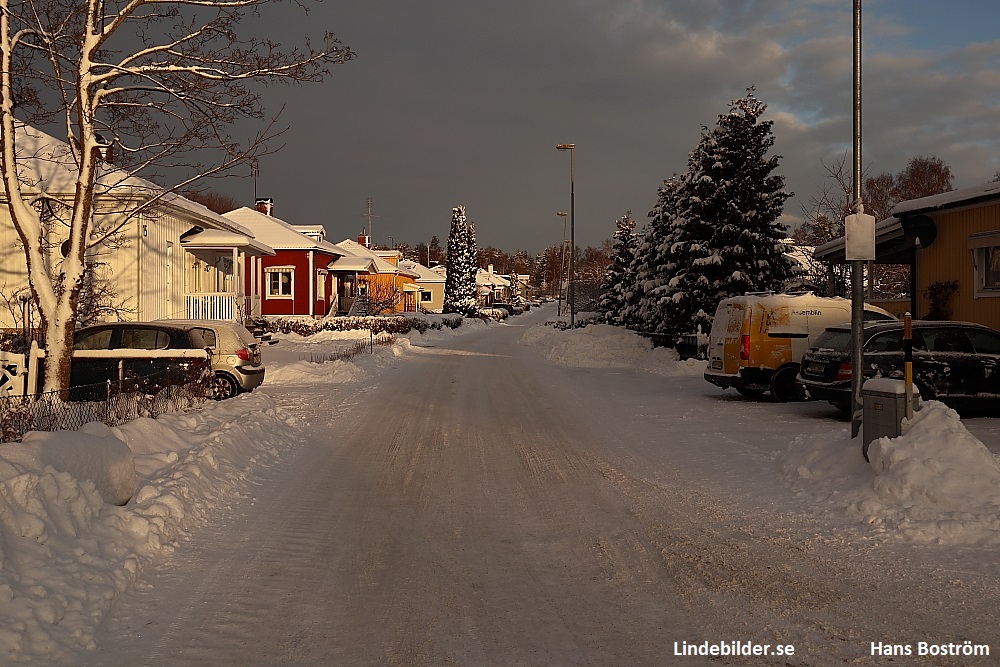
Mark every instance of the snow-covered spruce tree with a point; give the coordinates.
(148, 81)
(460, 281)
(641, 310)
(618, 281)
(726, 239)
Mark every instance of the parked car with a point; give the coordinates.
(153, 355)
(757, 340)
(953, 362)
(236, 355)
(511, 308)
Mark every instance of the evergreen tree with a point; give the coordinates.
(460, 282)
(617, 279)
(434, 251)
(641, 309)
(726, 239)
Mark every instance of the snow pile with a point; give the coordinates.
(936, 483)
(67, 554)
(605, 346)
(93, 454)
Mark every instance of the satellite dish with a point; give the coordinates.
(920, 230)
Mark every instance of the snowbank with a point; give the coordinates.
(67, 551)
(605, 346)
(936, 483)
(93, 454)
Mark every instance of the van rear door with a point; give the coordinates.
(724, 342)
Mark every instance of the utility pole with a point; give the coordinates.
(369, 215)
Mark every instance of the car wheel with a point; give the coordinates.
(750, 393)
(784, 388)
(223, 386)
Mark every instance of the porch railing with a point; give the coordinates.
(216, 306)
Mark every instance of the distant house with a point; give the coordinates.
(952, 243)
(431, 284)
(391, 286)
(490, 287)
(298, 279)
(176, 259)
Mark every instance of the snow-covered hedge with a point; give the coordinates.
(395, 324)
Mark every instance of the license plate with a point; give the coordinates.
(716, 364)
(815, 369)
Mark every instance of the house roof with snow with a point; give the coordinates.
(279, 234)
(425, 275)
(48, 164)
(892, 242)
(381, 265)
(484, 277)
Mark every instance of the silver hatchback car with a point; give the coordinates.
(236, 355)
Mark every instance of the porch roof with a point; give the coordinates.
(213, 239)
(353, 264)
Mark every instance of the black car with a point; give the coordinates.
(148, 355)
(953, 362)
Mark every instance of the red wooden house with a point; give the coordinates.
(298, 279)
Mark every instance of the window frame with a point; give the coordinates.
(269, 293)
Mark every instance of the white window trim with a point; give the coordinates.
(267, 283)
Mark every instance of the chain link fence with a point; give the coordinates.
(112, 403)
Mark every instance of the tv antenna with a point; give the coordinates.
(370, 216)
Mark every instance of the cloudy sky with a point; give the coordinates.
(456, 102)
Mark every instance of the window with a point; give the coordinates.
(985, 342)
(208, 336)
(98, 340)
(320, 285)
(985, 249)
(991, 268)
(145, 339)
(280, 282)
(426, 296)
(887, 341)
(946, 340)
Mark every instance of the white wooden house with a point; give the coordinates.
(177, 259)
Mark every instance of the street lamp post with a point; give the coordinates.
(562, 264)
(572, 234)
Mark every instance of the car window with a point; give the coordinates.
(833, 339)
(208, 336)
(95, 340)
(145, 339)
(887, 341)
(946, 340)
(985, 342)
(875, 316)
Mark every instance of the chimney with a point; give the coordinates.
(490, 269)
(363, 239)
(264, 205)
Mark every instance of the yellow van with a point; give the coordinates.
(757, 340)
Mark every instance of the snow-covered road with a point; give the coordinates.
(479, 505)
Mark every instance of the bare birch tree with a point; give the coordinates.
(153, 87)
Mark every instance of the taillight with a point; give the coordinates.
(844, 371)
(243, 353)
(744, 347)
